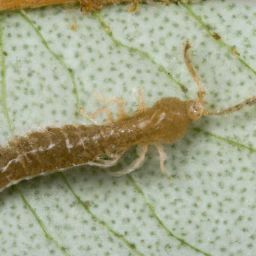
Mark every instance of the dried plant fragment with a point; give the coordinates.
(85, 5)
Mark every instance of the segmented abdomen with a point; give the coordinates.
(55, 148)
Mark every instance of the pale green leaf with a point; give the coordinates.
(52, 59)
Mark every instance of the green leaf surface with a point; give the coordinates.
(53, 59)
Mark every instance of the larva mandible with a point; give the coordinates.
(85, 5)
(59, 148)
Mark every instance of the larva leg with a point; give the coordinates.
(87, 6)
(118, 101)
(141, 150)
(97, 112)
(162, 158)
(105, 163)
(142, 104)
(201, 92)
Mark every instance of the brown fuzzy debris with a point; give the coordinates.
(85, 5)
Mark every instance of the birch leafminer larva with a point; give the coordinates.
(60, 148)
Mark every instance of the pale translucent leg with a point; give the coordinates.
(141, 150)
(105, 163)
(142, 104)
(201, 92)
(118, 101)
(96, 113)
(162, 158)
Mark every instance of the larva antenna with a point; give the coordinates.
(201, 91)
(249, 102)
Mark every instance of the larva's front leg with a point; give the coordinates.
(141, 150)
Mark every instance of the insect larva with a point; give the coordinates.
(85, 5)
(102, 145)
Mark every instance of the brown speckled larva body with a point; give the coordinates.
(67, 146)
(102, 145)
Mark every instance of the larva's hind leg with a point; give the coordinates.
(141, 150)
(96, 113)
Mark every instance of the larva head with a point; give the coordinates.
(195, 109)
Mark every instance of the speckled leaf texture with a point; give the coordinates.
(54, 58)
